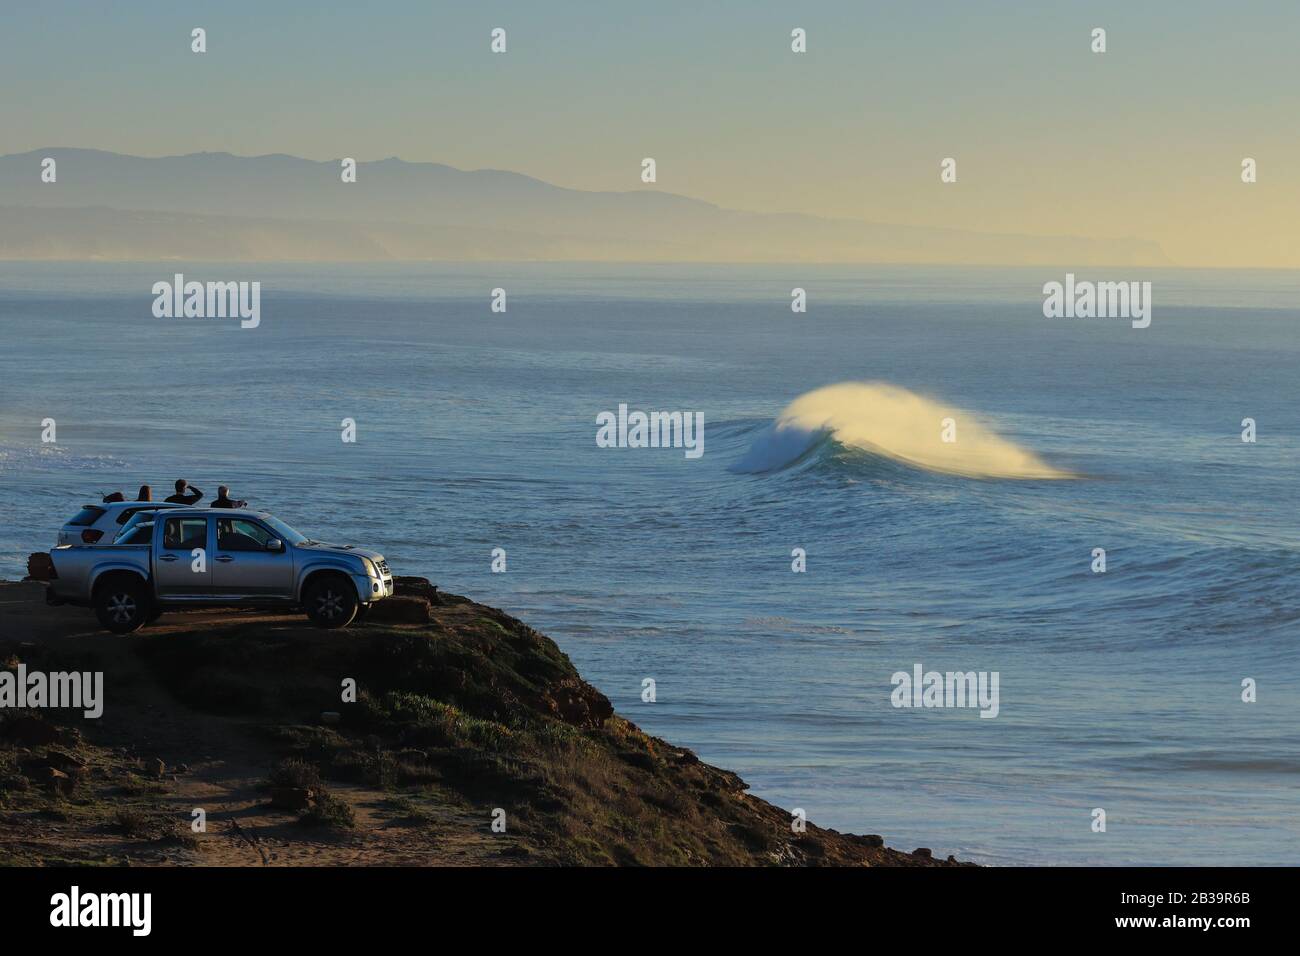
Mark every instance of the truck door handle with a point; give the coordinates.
(167, 557)
(224, 558)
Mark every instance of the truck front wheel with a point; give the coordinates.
(122, 604)
(330, 601)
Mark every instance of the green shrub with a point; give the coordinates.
(328, 810)
(295, 774)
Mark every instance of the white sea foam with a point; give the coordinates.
(894, 423)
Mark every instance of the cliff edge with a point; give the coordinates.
(440, 731)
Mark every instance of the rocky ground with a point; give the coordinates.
(462, 715)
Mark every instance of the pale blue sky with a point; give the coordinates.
(1144, 140)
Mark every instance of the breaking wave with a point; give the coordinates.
(894, 423)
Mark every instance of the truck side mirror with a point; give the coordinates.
(274, 544)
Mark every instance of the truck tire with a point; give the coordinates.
(330, 601)
(122, 603)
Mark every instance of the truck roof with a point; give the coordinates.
(108, 505)
(221, 512)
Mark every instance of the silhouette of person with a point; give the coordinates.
(184, 497)
(223, 499)
(146, 494)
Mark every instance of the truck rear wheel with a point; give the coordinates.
(330, 601)
(122, 604)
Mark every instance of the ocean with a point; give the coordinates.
(476, 430)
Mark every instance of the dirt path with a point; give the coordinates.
(243, 830)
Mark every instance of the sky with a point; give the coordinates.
(1145, 140)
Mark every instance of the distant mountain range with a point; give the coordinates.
(216, 206)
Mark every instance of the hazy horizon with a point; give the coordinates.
(365, 161)
(1051, 139)
(78, 204)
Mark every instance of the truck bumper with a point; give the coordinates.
(371, 589)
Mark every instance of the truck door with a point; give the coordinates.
(245, 566)
(174, 562)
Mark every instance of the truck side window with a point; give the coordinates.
(235, 534)
(185, 534)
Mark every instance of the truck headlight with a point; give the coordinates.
(370, 568)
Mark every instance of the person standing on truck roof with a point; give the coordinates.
(223, 499)
(184, 497)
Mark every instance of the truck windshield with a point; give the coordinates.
(283, 530)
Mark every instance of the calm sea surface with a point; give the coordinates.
(476, 430)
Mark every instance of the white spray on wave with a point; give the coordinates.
(894, 423)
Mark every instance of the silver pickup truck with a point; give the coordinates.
(197, 557)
